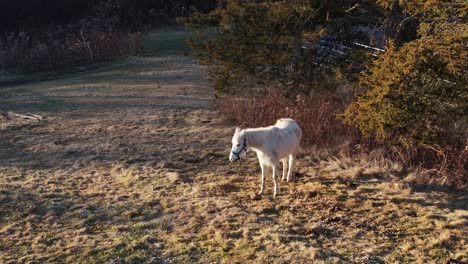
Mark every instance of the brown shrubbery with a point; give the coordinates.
(433, 165)
(29, 53)
(315, 114)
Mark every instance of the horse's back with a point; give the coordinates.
(288, 135)
(290, 125)
(285, 122)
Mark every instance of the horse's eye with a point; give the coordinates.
(238, 145)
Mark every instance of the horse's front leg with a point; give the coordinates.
(262, 186)
(275, 184)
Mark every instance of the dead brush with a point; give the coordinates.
(315, 114)
(429, 165)
(64, 48)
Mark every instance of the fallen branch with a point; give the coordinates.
(11, 115)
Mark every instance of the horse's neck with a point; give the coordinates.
(255, 138)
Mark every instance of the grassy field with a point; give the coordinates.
(131, 166)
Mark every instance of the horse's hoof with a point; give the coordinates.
(255, 197)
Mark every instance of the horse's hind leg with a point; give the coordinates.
(262, 186)
(285, 168)
(275, 183)
(292, 160)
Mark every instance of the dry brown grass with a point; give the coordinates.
(90, 185)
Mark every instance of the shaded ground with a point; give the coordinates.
(131, 166)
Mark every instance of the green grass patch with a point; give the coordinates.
(165, 42)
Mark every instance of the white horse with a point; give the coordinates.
(272, 145)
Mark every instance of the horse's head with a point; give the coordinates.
(239, 145)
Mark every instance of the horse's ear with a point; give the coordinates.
(238, 129)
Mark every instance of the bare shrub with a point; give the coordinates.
(446, 166)
(61, 49)
(430, 165)
(315, 114)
